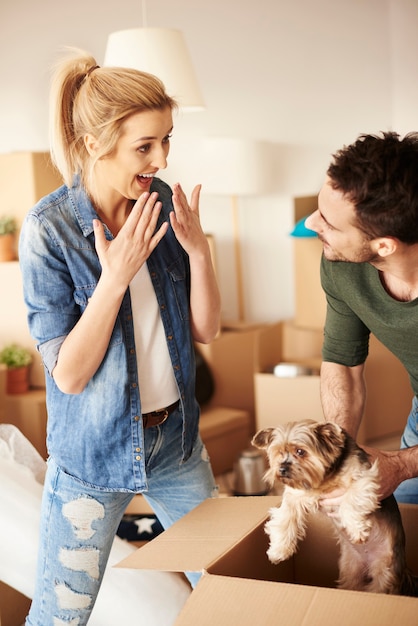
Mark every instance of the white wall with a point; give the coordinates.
(404, 63)
(304, 75)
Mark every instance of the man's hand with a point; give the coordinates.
(392, 469)
(330, 502)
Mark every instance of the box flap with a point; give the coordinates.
(225, 601)
(202, 535)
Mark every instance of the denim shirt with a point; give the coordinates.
(97, 435)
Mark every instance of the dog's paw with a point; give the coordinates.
(359, 533)
(280, 548)
(278, 552)
(284, 534)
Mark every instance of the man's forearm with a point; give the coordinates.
(343, 395)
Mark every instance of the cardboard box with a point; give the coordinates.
(230, 358)
(304, 206)
(27, 411)
(269, 348)
(389, 394)
(301, 343)
(13, 606)
(310, 302)
(33, 174)
(280, 400)
(233, 357)
(224, 538)
(225, 433)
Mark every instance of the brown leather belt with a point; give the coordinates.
(155, 418)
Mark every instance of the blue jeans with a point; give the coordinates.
(408, 490)
(79, 522)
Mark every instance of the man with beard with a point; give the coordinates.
(367, 220)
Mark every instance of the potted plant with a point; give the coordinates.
(17, 359)
(8, 228)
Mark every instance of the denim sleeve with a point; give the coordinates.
(48, 288)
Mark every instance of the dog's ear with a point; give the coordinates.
(263, 438)
(330, 435)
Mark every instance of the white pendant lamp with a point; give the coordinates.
(162, 52)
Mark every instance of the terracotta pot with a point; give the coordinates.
(7, 247)
(17, 380)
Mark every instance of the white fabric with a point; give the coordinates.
(157, 384)
(126, 596)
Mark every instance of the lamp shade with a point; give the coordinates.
(236, 167)
(158, 51)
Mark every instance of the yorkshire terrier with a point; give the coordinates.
(309, 459)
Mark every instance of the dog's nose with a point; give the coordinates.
(284, 469)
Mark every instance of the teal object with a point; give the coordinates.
(300, 229)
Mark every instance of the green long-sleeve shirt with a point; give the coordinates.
(357, 305)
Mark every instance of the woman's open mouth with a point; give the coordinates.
(145, 178)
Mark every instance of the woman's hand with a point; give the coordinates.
(205, 301)
(185, 220)
(124, 255)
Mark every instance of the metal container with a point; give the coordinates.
(249, 472)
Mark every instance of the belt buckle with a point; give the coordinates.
(155, 418)
(165, 415)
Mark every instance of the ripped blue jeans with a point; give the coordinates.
(78, 523)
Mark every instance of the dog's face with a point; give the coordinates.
(301, 454)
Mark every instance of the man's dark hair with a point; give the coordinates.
(379, 175)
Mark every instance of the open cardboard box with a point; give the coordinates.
(225, 539)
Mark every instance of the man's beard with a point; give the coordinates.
(364, 254)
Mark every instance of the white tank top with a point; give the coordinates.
(157, 384)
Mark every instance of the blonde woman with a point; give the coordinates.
(118, 282)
